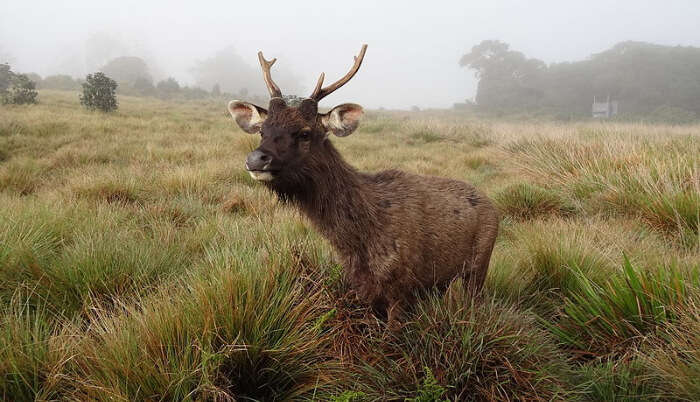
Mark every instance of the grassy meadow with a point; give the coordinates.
(139, 261)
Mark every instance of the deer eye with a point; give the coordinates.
(303, 136)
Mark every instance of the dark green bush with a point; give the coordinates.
(99, 93)
(16, 89)
(5, 78)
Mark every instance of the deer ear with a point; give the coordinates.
(342, 120)
(248, 116)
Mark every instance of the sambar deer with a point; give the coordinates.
(395, 232)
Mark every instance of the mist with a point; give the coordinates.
(413, 54)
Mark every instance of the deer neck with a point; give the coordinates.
(338, 200)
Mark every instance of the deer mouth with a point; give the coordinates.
(264, 174)
(261, 175)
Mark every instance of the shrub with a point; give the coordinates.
(22, 92)
(99, 93)
(16, 89)
(5, 78)
(144, 87)
(168, 88)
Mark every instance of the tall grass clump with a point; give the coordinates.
(70, 257)
(231, 332)
(613, 380)
(34, 350)
(673, 362)
(653, 178)
(457, 349)
(526, 201)
(611, 318)
(539, 262)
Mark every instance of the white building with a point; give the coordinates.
(605, 109)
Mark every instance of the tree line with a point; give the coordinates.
(646, 79)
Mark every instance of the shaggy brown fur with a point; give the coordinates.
(395, 232)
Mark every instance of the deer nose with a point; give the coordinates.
(257, 160)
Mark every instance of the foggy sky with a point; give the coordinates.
(414, 47)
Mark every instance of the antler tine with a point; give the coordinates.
(318, 86)
(271, 86)
(320, 93)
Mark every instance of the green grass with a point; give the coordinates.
(463, 350)
(139, 261)
(525, 201)
(613, 317)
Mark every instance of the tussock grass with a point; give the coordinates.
(613, 317)
(465, 350)
(524, 201)
(240, 333)
(21, 175)
(673, 363)
(615, 381)
(139, 261)
(542, 263)
(656, 179)
(35, 347)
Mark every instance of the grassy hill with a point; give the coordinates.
(138, 261)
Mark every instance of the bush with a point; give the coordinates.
(167, 88)
(99, 93)
(5, 78)
(144, 87)
(16, 89)
(22, 92)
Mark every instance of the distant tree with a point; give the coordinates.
(15, 88)
(144, 87)
(99, 93)
(193, 93)
(507, 79)
(5, 77)
(168, 88)
(127, 70)
(644, 78)
(60, 82)
(216, 90)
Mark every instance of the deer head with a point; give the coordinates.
(293, 137)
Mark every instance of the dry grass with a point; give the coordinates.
(138, 261)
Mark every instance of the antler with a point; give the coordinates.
(320, 93)
(271, 86)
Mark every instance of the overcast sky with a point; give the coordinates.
(414, 47)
